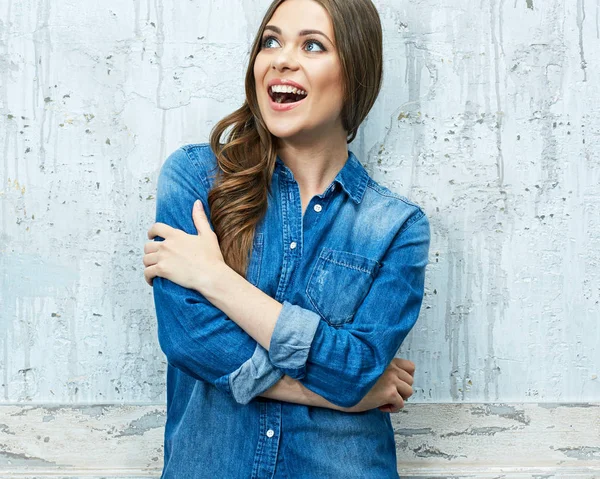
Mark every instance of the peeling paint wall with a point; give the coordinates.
(488, 118)
(494, 440)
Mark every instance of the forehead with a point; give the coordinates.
(295, 15)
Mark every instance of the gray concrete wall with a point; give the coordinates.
(488, 118)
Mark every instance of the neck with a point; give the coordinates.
(316, 163)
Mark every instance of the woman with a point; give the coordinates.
(283, 295)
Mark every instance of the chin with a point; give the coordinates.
(286, 133)
(281, 130)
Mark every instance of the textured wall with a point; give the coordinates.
(459, 441)
(488, 118)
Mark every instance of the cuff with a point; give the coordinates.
(253, 377)
(291, 340)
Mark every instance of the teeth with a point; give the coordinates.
(287, 89)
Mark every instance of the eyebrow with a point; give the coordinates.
(301, 33)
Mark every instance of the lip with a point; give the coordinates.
(284, 106)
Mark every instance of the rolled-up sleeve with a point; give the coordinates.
(195, 336)
(342, 365)
(292, 338)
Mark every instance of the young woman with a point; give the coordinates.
(283, 294)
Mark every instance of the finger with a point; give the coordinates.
(160, 229)
(405, 364)
(406, 377)
(148, 276)
(404, 389)
(199, 216)
(151, 246)
(151, 272)
(150, 259)
(397, 405)
(403, 374)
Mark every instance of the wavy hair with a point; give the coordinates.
(246, 160)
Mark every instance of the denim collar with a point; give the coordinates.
(353, 176)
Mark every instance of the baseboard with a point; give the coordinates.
(450, 440)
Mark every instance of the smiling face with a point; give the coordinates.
(310, 61)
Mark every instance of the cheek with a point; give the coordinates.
(331, 94)
(259, 71)
(329, 82)
(256, 76)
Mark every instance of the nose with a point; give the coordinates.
(284, 59)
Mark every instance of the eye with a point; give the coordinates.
(314, 42)
(265, 43)
(266, 40)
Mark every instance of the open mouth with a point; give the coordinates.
(286, 94)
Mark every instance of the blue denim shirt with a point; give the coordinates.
(350, 275)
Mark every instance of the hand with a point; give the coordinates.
(391, 389)
(185, 259)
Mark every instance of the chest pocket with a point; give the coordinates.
(338, 283)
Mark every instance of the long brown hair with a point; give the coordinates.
(246, 161)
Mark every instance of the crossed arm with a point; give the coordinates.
(280, 350)
(256, 313)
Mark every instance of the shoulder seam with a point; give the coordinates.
(192, 145)
(201, 174)
(388, 195)
(415, 218)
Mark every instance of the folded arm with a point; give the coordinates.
(195, 336)
(342, 365)
(337, 368)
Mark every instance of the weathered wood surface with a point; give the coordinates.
(455, 440)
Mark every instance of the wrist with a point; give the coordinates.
(290, 390)
(213, 284)
(313, 398)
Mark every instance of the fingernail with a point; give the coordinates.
(197, 204)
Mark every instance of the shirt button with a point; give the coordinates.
(318, 208)
(293, 244)
(270, 432)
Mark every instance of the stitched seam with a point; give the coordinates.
(351, 266)
(327, 253)
(308, 287)
(407, 225)
(259, 255)
(199, 172)
(392, 195)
